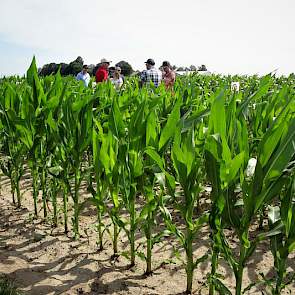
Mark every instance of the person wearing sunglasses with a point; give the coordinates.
(84, 76)
(117, 79)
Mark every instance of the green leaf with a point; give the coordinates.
(156, 157)
(230, 168)
(141, 255)
(151, 129)
(116, 123)
(268, 193)
(273, 232)
(26, 135)
(115, 198)
(220, 287)
(53, 102)
(217, 123)
(136, 165)
(51, 122)
(201, 260)
(199, 222)
(283, 154)
(171, 124)
(31, 72)
(55, 170)
(34, 82)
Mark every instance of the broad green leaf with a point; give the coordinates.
(96, 152)
(270, 143)
(53, 102)
(32, 71)
(116, 123)
(156, 157)
(25, 135)
(229, 169)
(151, 129)
(283, 154)
(51, 122)
(34, 82)
(169, 129)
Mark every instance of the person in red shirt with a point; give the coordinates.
(168, 75)
(102, 72)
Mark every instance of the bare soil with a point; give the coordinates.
(43, 260)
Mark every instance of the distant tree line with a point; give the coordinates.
(191, 68)
(74, 67)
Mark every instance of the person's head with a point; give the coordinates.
(166, 66)
(117, 72)
(105, 63)
(85, 69)
(111, 71)
(149, 63)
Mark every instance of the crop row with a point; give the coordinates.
(165, 147)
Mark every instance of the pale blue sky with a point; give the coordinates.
(230, 36)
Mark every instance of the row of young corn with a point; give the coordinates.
(164, 148)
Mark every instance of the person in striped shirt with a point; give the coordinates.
(151, 74)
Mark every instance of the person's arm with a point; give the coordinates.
(87, 80)
(173, 76)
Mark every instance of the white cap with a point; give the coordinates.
(104, 60)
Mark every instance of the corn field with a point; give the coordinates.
(204, 153)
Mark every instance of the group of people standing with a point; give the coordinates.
(102, 74)
(150, 75)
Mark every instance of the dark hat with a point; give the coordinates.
(85, 67)
(166, 64)
(150, 61)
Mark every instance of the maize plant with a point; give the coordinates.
(283, 244)
(75, 134)
(13, 149)
(146, 154)
(260, 190)
(187, 164)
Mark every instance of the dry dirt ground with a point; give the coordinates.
(43, 260)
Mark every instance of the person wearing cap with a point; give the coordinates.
(168, 75)
(102, 72)
(151, 74)
(84, 76)
(117, 79)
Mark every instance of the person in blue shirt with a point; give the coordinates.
(84, 76)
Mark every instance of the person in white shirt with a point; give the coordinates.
(84, 76)
(117, 79)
